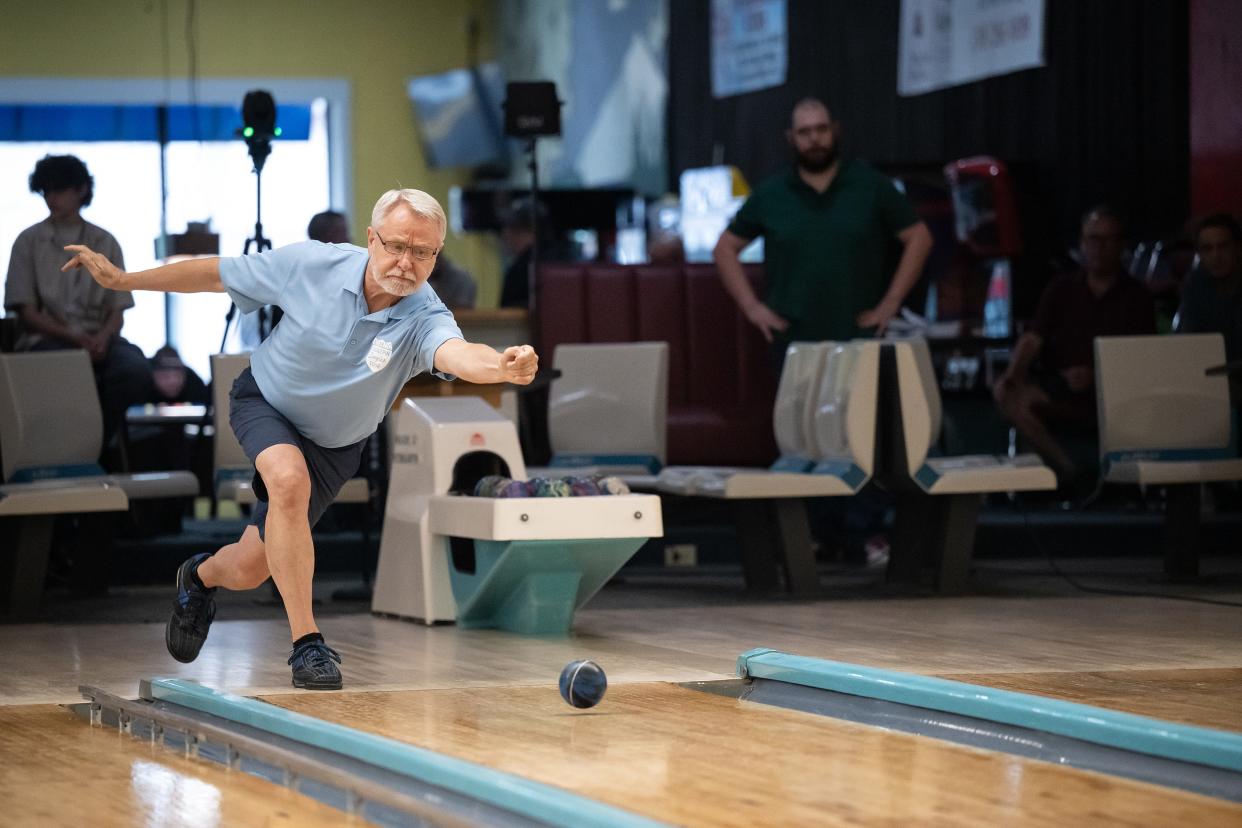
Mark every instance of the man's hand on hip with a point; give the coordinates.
(765, 319)
(102, 271)
(518, 364)
(878, 317)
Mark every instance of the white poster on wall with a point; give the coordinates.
(750, 46)
(949, 42)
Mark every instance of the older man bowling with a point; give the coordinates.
(358, 324)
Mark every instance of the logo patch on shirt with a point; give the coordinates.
(381, 352)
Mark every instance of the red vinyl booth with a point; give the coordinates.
(720, 384)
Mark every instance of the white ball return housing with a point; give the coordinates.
(519, 564)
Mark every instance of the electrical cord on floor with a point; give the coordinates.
(1039, 547)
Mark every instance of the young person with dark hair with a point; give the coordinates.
(59, 310)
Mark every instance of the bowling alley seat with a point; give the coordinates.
(607, 411)
(720, 378)
(939, 497)
(51, 430)
(823, 419)
(824, 423)
(1164, 422)
(233, 471)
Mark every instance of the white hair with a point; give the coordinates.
(422, 204)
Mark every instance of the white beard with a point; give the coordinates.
(397, 286)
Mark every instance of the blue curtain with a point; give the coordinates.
(89, 122)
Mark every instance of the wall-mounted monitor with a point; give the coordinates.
(458, 115)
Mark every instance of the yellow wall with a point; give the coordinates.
(376, 45)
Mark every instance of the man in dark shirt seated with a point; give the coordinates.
(521, 222)
(1050, 383)
(1212, 299)
(174, 381)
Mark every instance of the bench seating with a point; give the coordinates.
(939, 504)
(720, 370)
(51, 431)
(1165, 422)
(608, 411)
(824, 416)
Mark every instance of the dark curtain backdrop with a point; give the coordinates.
(1105, 120)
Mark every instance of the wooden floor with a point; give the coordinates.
(55, 770)
(936, 636)
(483, 688)
(693, 758)
(1207, 698)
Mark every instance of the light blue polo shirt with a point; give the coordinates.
(331, 367)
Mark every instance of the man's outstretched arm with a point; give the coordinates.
(190, 276)
(483, 364)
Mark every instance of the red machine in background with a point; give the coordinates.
(989, 238)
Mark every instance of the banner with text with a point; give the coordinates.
(750, 47)
(949, 42)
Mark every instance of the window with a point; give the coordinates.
(214, 180)
(211, 179)
(126, 204)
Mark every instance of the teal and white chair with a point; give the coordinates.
(824, 421)
(1164, 422)
(51, 435)
(938, 508)
(608, 411)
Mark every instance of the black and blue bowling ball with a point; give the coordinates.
(583, 683)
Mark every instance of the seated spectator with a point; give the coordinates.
(1048, 391)
(454, 285)
(518, 237)
(329, 227)
(157, 448)
(174, 382)
(58, 310)
(1212, 299)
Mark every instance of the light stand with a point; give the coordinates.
(533, 165)
(259, 115)
(531, 110)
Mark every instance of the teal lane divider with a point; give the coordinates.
(513, 793)
(1127, 731)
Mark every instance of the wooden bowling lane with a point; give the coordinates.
(693, 758)
(1206, 697)
(55, 769)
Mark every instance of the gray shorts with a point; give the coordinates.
(258, 426)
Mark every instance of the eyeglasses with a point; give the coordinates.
(417, 252)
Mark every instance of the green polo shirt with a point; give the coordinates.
(825, 253)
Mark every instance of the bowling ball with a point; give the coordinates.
(491, 484)
(582, 486)
(612, 485)
(583, 683)
(549, 487)
(515, 488)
